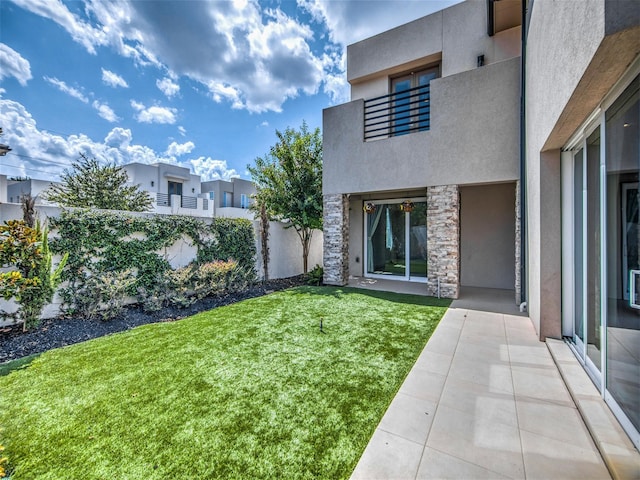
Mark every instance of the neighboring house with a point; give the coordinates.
(173, 189)
(462, 163)
(233, 193)
(18, 189)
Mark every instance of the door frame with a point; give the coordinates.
(407, 232)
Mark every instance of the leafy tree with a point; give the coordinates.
(92, 185)
(289, 182)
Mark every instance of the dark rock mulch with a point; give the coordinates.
(58, 332)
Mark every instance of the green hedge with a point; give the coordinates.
(102, 242)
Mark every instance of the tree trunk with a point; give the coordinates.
(264, 237)
(305, 238)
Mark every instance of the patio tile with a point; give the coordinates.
(454, 318)
(423, 384)
(547, 458)
(409, 417)
(478, 400)
(434, 362)
(388, 456)
(494, 352)
(542, 383)
(553, 421)
(493, 446)
(496, 375)
(624, 462)
(444, 340)
(438, 465)
(603, 423)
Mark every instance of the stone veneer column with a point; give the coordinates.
(443, 240)
(518, 259)
(336, 239)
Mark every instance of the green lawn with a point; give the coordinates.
(251, 390)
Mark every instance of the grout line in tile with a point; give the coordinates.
(426, 440)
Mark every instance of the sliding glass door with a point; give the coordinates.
(602, 317)
(396, 239)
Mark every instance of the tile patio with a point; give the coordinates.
(485, 399)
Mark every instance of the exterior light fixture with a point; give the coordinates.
(406, 206)
(369, 207)
(153, 183)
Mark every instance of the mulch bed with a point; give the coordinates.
(58, 332)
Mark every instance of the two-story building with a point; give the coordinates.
(421, 168)
(171, 187)
(495, 144)
(234, 193)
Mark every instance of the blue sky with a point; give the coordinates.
(203, 84)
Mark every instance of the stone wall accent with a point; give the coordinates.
(518, 259)
(443, 240)
(336, 239)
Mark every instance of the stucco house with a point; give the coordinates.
(495, 144)
(234, 193)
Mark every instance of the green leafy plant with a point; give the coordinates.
(314, 277)
(90, 184)
(31, 282)
(289, 183)
(102, 242)
(104, 296)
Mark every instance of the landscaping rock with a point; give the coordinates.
(58, 332)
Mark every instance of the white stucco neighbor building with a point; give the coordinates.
(495, 144)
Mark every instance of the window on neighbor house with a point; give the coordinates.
(175, 188)
(227, 199)
(411, 101)
(244, 201)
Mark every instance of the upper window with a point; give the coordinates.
(411, 101)
(244, 201)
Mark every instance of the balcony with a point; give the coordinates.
(397, 114)
(461, 129)
(182, 205)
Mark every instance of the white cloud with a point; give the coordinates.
(350, 22)
(264, 124)
(80, 31)
(113, 79)
(105, 111)
(41, 154)
(119, 138)
(251, 57)
(176, 149)
(182, 130)
(210, 169)
(168, 87)
(12, 64)
(154, 114)
(248, 55)
(63, 87)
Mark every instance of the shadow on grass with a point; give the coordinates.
(20, 363)
(407, 298)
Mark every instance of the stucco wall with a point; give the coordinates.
(285, 248)
(474, 138)
(571, 65)
(487, 236)
(455, 35)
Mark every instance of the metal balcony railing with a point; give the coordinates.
(396, 114)
(188, 202)
(163, 200)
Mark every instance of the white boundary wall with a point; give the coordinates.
(284, 246)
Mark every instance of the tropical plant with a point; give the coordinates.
(289, 183)
(31, 282)
(91, 184)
